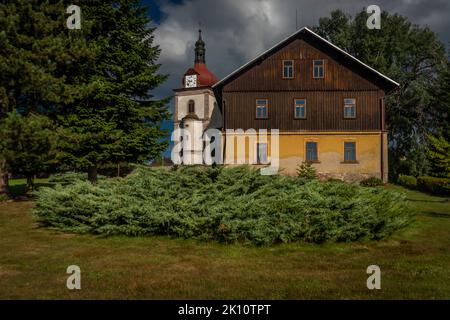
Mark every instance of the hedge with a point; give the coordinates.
(438, 186)
(407, 181)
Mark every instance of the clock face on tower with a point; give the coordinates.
(190, 81)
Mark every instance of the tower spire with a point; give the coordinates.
(200, 49)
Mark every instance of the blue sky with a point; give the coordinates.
(155, 12)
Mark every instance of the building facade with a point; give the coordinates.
(327, 106)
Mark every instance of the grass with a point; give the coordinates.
(414, 263)
(17, 187)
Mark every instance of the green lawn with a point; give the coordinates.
(415, 263)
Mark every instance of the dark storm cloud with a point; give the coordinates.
(235, 31)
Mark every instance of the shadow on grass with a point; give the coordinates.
(19, 190)
(435, 214)
(431, 201)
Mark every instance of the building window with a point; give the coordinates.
(261, 108)
(319, 71)
(311, 151)
(288, 69)
(261, 153)
(300, 108)
(350, 108)
(349, 151)
(191, 106)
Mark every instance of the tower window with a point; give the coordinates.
(191, 106)
(319, 71)
(288, 69)
(261, 108)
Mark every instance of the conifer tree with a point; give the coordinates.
(94, 82)
(34, 45)
(27, 144)
(118, 121)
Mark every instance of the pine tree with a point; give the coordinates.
(34, 46)
(307, 171)
(93, 82)
(119, 119)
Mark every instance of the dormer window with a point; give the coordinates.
(191, 106)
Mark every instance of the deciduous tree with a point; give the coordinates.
(411, 55)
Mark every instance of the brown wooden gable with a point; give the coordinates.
(342, 72)
(267, 76)
(345, 78)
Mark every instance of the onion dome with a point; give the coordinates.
(205, 78)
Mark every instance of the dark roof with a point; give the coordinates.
(192, 116)
(191, 71)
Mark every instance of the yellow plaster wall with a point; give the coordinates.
(330, 149)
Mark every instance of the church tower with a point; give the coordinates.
(195, 104)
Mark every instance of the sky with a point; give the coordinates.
(236, 31)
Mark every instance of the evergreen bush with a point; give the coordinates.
(407, 181)
(372, 182)
(227, 205)
(438, 186)
(70, 177)
(307, 171)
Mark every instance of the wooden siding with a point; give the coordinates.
(267, 75)
(324, 97)
(324, 111)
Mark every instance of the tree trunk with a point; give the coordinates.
(118, 170)
(4, 179)
(92, 175)
(30, 184)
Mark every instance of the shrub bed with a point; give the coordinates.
(407, 181)
(438, 186)
(70, 177)
(227, 205)
(372, 182)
